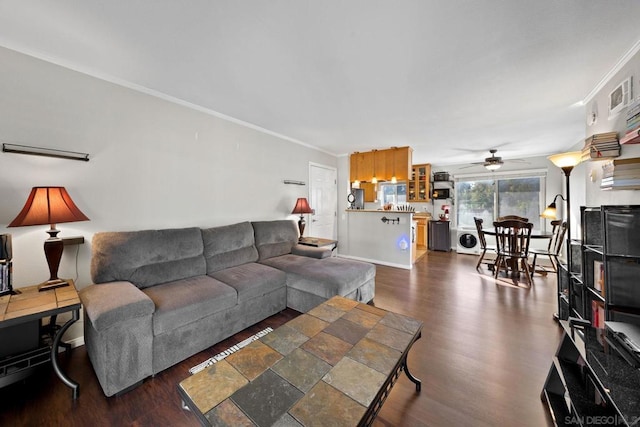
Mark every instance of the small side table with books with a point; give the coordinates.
(21, 314)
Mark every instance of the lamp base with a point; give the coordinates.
(301, 224)
(52, 284)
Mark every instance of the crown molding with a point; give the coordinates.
(616, 68)
(152, 92)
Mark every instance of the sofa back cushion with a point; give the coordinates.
(229, 246)
(149, 257)
(275, 238)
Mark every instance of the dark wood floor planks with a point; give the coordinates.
(483, 358)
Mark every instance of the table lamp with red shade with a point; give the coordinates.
(301, 207)
(49, 205)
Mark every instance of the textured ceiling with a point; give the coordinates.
(449, 78)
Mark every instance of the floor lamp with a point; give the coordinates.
(566, 162)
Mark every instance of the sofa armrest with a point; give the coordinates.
(311, 251)
(109, 303)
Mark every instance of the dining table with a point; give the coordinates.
(534, 235)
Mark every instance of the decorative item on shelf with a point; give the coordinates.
(601, 146)
(621, 174)
(551, 211)
(619, 97)
(50, 205)
(632, 131)
(302, 207)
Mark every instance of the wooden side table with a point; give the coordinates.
(27, 306)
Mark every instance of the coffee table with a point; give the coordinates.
(333, 366)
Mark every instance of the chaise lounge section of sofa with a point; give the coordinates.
(160, 296)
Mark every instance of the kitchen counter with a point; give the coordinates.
(379, 236)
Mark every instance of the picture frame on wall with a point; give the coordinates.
(620, 97)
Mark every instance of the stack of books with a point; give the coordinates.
(632, 135)
(621, 174)
(601, 146)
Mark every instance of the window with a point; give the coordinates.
(392, 193)
(490, 198)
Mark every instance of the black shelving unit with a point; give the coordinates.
(590, 384)
(592, 374)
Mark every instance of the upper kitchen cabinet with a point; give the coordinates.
(418, 185)
(361, 167)
(396, 161)
(382, 164)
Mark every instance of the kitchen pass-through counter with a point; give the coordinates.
(386, 237)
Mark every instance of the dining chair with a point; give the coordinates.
(512, 217)
(483, 245)
(558, 231)
(512, 247)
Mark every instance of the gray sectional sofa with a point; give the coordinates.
(160, 296)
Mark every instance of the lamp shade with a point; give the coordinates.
(48, 205)
(565, 160)
(302, 206)
(550, 212)
(492, 166)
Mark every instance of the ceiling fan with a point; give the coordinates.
(493, 162)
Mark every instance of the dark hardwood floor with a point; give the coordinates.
(483, 357)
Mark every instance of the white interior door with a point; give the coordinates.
(323, 198)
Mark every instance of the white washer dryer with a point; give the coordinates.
(467, 241)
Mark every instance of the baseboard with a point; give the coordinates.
(76, 342)
(375, 261)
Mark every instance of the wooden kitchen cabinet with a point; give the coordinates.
(382, 163)
(418, 186)
(421, 231)
(361, 167)
(369, 191)
(395, 161)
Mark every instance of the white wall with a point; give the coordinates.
(593, 196)
(154, 164)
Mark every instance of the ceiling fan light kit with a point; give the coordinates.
(493, 163)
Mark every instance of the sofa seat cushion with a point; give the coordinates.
(252, 280)
(188, 300)
(323, 277)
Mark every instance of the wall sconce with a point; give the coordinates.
(47, 152)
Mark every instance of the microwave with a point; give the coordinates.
(441, 193)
